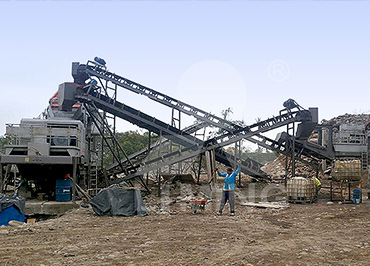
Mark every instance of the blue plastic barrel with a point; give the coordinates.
(357, 196)
(63, 190)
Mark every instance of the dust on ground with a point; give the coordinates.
(305, 234)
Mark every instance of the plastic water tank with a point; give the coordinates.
(300, 189)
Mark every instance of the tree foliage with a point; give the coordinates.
(3, 141)
(260, 154)
(131, 142)
(226, 115)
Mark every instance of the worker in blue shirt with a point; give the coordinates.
(228, 193)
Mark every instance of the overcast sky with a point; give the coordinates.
(249, 55)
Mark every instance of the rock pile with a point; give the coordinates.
(350, 119)
(276, 168)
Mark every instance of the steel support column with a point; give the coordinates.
(293, 151)
(149, 144)
(176, 123)
(159, 182)
(159, 172)
(199, 167)
(74, 176)
(290, 151)
(240, 156)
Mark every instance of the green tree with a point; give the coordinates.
(260, 155)
(3, 141)
(226, 115)
(131, 142)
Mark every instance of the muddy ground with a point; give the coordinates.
(310, 234)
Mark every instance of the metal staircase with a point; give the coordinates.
(93, 180)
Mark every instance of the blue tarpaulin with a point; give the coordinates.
(11, 208)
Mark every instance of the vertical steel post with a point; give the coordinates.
(240, 157)
(176, 123)
(149, 143)
(115, 117)
(213, 165)
(199, 168)
(74, 176)
(290, 152)
(102, 150)
(159, 169)
(149, 139)
(367, 154)
(208, 155)
(114, 144)
(286, 162)
(293, 151)
(235, 154)
(159, 181)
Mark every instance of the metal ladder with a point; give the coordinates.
(93, 180)
(364, 160)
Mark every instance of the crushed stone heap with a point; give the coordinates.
(349, 119)
(276, 168)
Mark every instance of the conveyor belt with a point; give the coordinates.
(161, 128)
(233, 132)
(181, 137)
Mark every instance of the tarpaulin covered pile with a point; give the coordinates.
(118, 200)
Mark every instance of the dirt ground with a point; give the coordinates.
(309, 234)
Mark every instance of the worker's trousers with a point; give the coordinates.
(228, 195)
